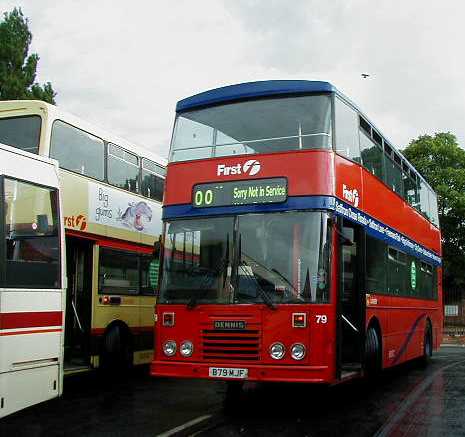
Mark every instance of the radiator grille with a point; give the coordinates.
(231, 345)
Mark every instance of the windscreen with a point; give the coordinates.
(197, 260)
(256, 126)
(31, 235)
(254, 258)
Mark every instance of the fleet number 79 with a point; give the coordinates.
(321, 318)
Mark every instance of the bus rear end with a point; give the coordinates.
(248, 276)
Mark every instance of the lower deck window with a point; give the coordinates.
(390, 271)
(124, 272)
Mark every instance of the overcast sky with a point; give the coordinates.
(124, 65)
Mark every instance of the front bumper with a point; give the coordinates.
(256, 372)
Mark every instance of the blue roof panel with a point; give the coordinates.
(253, 89)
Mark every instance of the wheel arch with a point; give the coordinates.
(126, 336)
(123, 326)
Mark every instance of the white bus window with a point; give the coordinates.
(123, 168)
(21, 132)
(77, 150)
(32, 237)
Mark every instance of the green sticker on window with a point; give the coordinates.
(413, 275)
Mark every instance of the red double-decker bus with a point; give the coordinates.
(299, 244)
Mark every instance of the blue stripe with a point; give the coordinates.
(403, 348)
(250, 90)
(385, 233)
(372, 226)
(292, 203)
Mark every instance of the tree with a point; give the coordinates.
(441, 162)
(17, 69)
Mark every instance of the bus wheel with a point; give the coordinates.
(372, 352)
(116, 350)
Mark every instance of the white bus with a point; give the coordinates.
(32, 280)
(112, 193)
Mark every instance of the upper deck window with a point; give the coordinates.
(347, 137)
(256, 126)
(21, 132)
(77, 150)
(123, 168)
(153, 179)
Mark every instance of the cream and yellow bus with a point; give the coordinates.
(112, 193)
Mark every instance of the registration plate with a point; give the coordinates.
(228, 372)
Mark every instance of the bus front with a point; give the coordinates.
(248, 278)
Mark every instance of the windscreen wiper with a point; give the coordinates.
(264, 295)
(205, 281)
(287, 282)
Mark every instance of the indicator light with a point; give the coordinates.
(106, 300)
(299, 320)
(168, 319)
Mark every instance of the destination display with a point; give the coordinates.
(272, 190)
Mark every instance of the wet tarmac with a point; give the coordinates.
(409, 400)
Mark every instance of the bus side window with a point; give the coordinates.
(375, 265)
(77, 150)
(347, 138)
(153, 180)
(396, 272)
(424, 199)
(371, 155)
(123, 168)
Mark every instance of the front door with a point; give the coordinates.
(351, 305)
(78, 302)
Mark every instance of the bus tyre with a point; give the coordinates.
(372, 352)
(116, 350)
(427, 345)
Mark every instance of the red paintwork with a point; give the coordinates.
(32, 331)
(274, 326)
(296, 166)
(383, 204)
(30, 319)
(110, 242)
(308, 173)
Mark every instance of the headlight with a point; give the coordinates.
(169, 348)
(298, 351)
(186, 348)
(277, 351)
